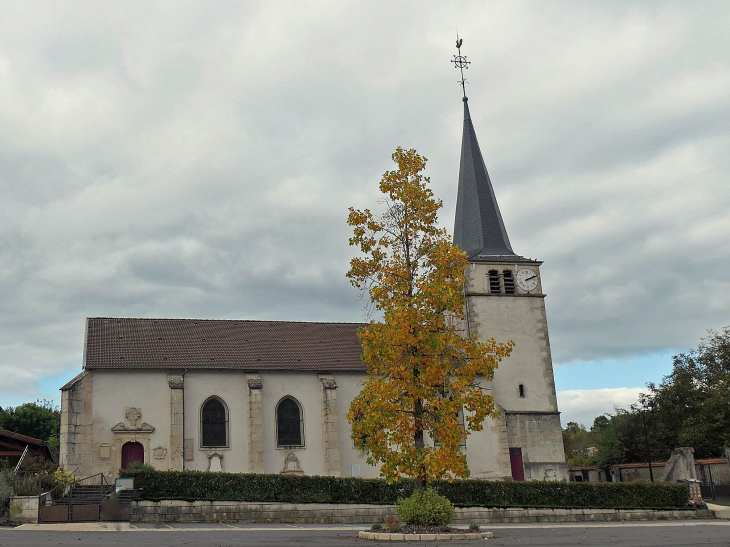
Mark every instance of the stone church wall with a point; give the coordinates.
(130, 406)
(145, 406)
(519, 319)
(76, 438)
(523, 385)
(232, 389)
(540, 437)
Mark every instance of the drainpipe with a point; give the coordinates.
(466, 307)
(183, 417)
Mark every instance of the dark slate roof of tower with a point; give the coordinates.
(478, 228)
(123, 343)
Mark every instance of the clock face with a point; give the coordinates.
(527, 279)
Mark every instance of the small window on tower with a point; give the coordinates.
(494, 287)
(522, 390)
(509, 282)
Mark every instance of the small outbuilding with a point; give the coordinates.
(12, 446)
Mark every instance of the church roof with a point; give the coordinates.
(122, 343)
(478, 228)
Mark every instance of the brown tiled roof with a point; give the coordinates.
(221, 344)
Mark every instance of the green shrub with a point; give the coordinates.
(199, 485)
(6, 491)
(36, 465)
(140, 467)
(376, 526)
(395, 529)
(473, 527)
(425, 507)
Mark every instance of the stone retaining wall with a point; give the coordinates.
(326, 513)
(24, 509)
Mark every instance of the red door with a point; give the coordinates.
(132, 452)
(515, 461)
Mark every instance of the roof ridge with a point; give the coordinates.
(231, 320)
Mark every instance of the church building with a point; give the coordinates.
(272, 396)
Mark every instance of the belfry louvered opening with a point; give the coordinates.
(494, 286)
(509, 282)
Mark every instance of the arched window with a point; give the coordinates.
(494, 285)
(289, 423)
(214, 423)
(446, 394)
(362, 442)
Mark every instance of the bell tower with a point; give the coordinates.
(505, 301)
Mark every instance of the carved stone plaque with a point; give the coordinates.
(132, 416)
(291, 465)
(105, 451)
(159, 453)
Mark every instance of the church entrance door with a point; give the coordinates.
(131, 453)
(515, 461)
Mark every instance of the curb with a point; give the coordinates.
(387, 536)
(77, 527)
(721, 511)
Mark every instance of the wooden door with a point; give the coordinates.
(132, 452)
(515, 461)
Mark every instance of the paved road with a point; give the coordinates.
(695, 533)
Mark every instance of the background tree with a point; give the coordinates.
(577, 443)
(422, 370)
(690, 407)
(693, 402)
(620, 440)
(40, 420)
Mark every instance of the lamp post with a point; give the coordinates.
(651, 405)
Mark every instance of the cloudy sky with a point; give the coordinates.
(177, 159)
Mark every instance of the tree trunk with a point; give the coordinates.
(418, 438)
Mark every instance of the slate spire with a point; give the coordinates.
(478, 229)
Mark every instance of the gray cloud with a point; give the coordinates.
(184, 160)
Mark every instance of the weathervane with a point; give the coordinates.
(461, 63)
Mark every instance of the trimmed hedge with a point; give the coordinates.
(199, 485)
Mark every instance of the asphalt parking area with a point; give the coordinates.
(644, 534)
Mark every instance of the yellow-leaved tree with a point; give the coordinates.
(424, 371)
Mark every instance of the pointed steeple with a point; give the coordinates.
(478, 229)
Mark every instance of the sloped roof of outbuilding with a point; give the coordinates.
(124, 343)
(22, 438)
(13, 444)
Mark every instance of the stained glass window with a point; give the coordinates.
(289, 423)
(214, 423)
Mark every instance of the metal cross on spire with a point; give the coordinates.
(461, 63)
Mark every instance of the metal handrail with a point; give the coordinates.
(102, 482)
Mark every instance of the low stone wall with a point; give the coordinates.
(24, 509)
(248, 512)
(481, 515)
(326, 513)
